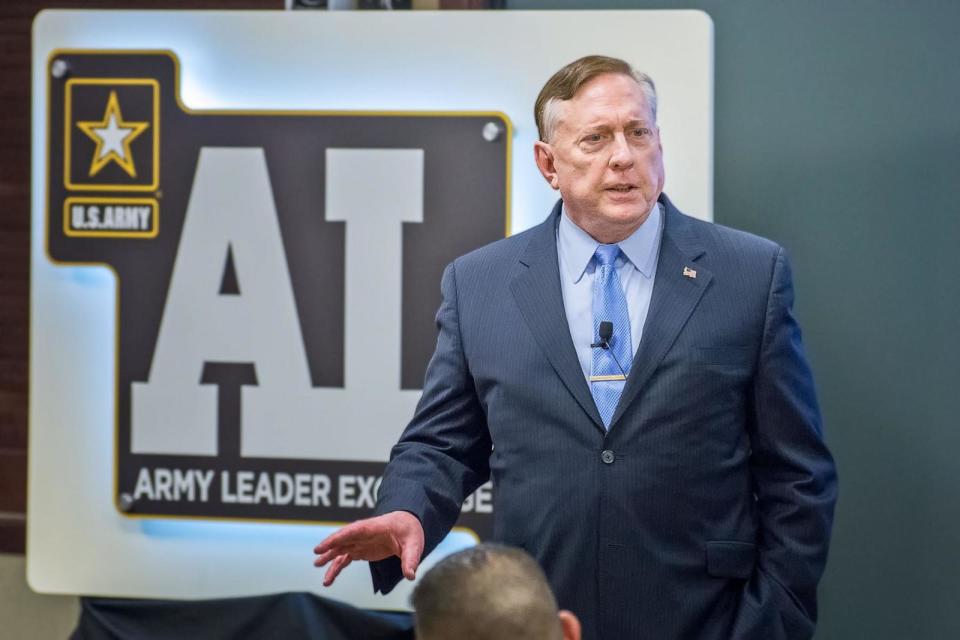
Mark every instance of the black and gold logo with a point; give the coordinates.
(235, 393)
(111, 144)
(112, 134)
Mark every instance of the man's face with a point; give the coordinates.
(605, 157)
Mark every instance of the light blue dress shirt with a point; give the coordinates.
(575, 248)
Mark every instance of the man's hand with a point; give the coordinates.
(397, 533)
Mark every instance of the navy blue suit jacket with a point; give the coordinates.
(704, 512)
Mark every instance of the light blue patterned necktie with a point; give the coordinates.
(609, 305)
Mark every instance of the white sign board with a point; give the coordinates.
(305, 62)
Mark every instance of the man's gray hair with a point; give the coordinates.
(487, 592)
(565, 83)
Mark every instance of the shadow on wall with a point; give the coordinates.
(26, 614)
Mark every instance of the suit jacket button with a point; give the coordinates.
(607, 456)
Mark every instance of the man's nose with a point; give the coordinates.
(621, 156)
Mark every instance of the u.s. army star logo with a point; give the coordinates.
(111, 134)
(113, 137)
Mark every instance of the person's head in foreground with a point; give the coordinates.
(489, 592)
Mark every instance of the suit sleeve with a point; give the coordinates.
(443, 454)
(794, 478)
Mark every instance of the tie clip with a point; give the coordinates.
(690, 273)
(615, 377)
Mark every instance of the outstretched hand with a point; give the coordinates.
(397, 533)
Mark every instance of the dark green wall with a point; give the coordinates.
(838, 135)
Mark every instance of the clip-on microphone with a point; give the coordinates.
(604, 333)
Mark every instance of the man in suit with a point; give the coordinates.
(633, 382)
(489, 592)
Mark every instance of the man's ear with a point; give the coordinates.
(543, 156)
(569, 624)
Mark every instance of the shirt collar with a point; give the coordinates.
(640, 248)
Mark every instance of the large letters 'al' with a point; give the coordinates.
(374, 191)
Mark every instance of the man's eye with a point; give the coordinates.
(640, 132)
(593, 137)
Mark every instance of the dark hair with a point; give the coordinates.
(487, 592)
(566, 82)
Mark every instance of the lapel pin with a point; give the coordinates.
(689, 273)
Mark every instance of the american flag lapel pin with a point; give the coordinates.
(689, 273)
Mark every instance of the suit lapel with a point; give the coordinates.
(675, 295)
(537, 292)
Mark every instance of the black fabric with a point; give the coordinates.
(286, 615)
